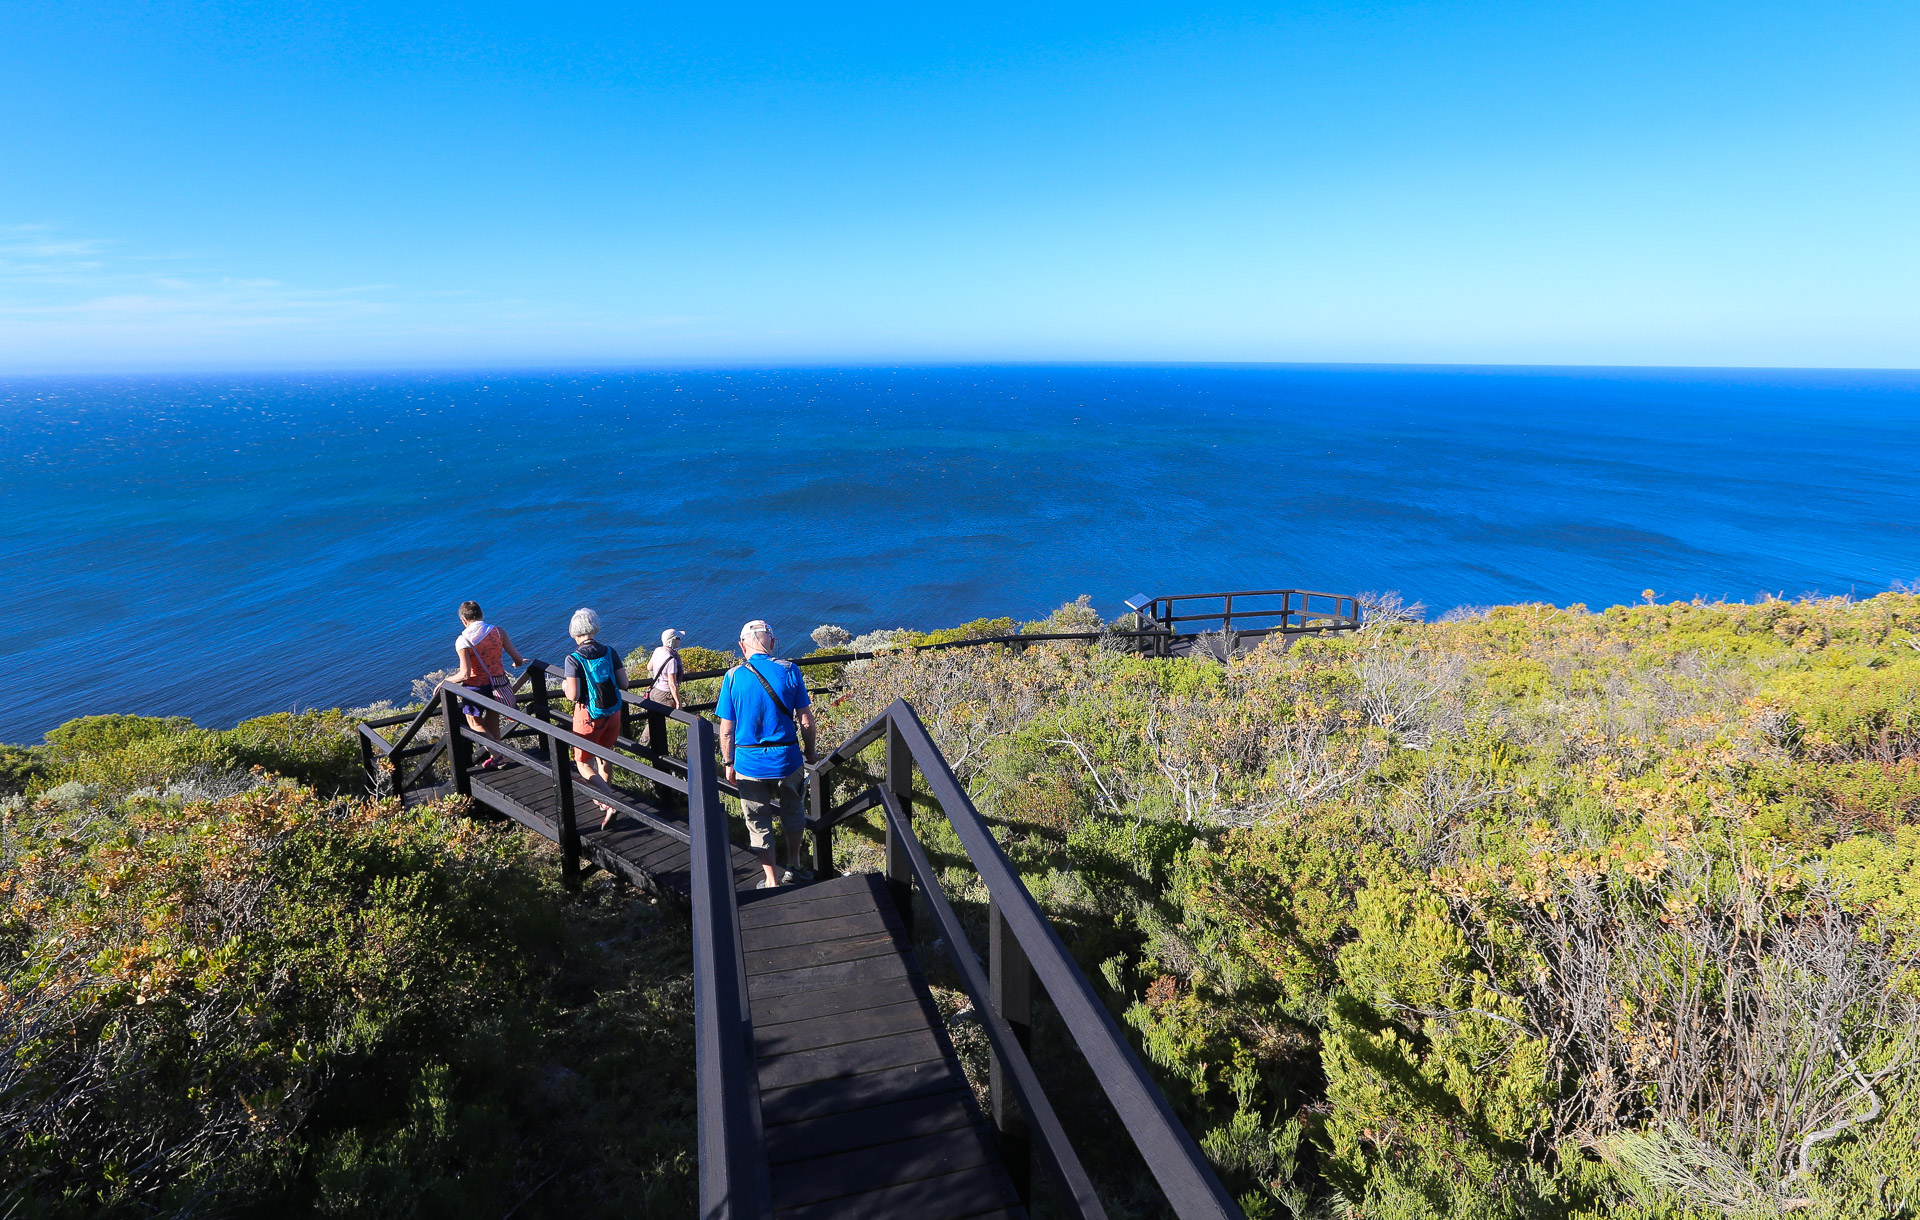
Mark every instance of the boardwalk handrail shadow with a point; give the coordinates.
(1023, 948)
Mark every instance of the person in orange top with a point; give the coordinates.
(482, 648)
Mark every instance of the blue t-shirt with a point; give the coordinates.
(755, 718)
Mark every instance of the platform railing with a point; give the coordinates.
(1297, 610)
(1022, 949)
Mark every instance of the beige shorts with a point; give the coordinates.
(761, 799)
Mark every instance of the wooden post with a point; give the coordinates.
(657, 736)
(563, 812)
(1010, 986)
(541, 706)
(459, 752)
(817, 788)
(366, 763)
(900, 784)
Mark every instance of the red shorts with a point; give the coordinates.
(602, 732)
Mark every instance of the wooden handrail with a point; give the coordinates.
(1000, 1036)
(735, 1182)
(557, 738)
(1023, 940)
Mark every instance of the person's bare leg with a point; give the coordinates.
(603, 780)
(488, 722)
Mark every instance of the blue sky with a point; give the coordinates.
(227, 184)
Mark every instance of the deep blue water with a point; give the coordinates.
(223, 546)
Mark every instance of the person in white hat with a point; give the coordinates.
(664, 669)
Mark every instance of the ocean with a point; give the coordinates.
(225, 546)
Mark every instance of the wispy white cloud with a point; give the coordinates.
(71, 301)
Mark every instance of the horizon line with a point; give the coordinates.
(353, 368)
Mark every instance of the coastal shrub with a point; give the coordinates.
(978, 629)
(20, 766)
(93, 735)
(696, 658)
(172, 755)
(188, 981)
(881, 640)
(1860, 711)
(1530, 912)
(1076, 615)
(318, 748)
(828, 637)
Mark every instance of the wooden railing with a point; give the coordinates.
(1250, 612)
(734, 1178)
(1022, 949)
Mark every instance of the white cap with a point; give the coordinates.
(672, 636)
(755, 627)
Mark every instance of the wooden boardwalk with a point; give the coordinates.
(866, 1109)
(827, 1086)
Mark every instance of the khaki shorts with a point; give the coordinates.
(761, 799)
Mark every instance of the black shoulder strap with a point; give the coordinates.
(768, 687)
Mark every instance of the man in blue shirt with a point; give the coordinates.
(762, 700)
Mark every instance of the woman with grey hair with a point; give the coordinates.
(593, 679)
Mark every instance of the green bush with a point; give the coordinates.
(20, 766)
(319, 749)
(214, 979)
(1409, 922)
(978, 629)
(102, 734)
(1859, 711)
(696, 658)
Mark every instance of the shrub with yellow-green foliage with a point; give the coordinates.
(1534, 911)
(177, 994)
(222, 992)
(120, 753)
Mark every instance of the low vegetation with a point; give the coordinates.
(1530, 912)
(1534, 912)
(230, 989)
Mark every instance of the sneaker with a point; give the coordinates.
(796, 874)
(766, 885)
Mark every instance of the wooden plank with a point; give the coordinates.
(807, 1005)
(847, 1093)
(949, 1197)
(880, 1124)
(871, 1022)
(834, 974)
(940, 1154)
(822, 900)
(773, 936)
(850, 1059)
(538, 823)
(829, 887)
(656, 861)
(823, 952)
